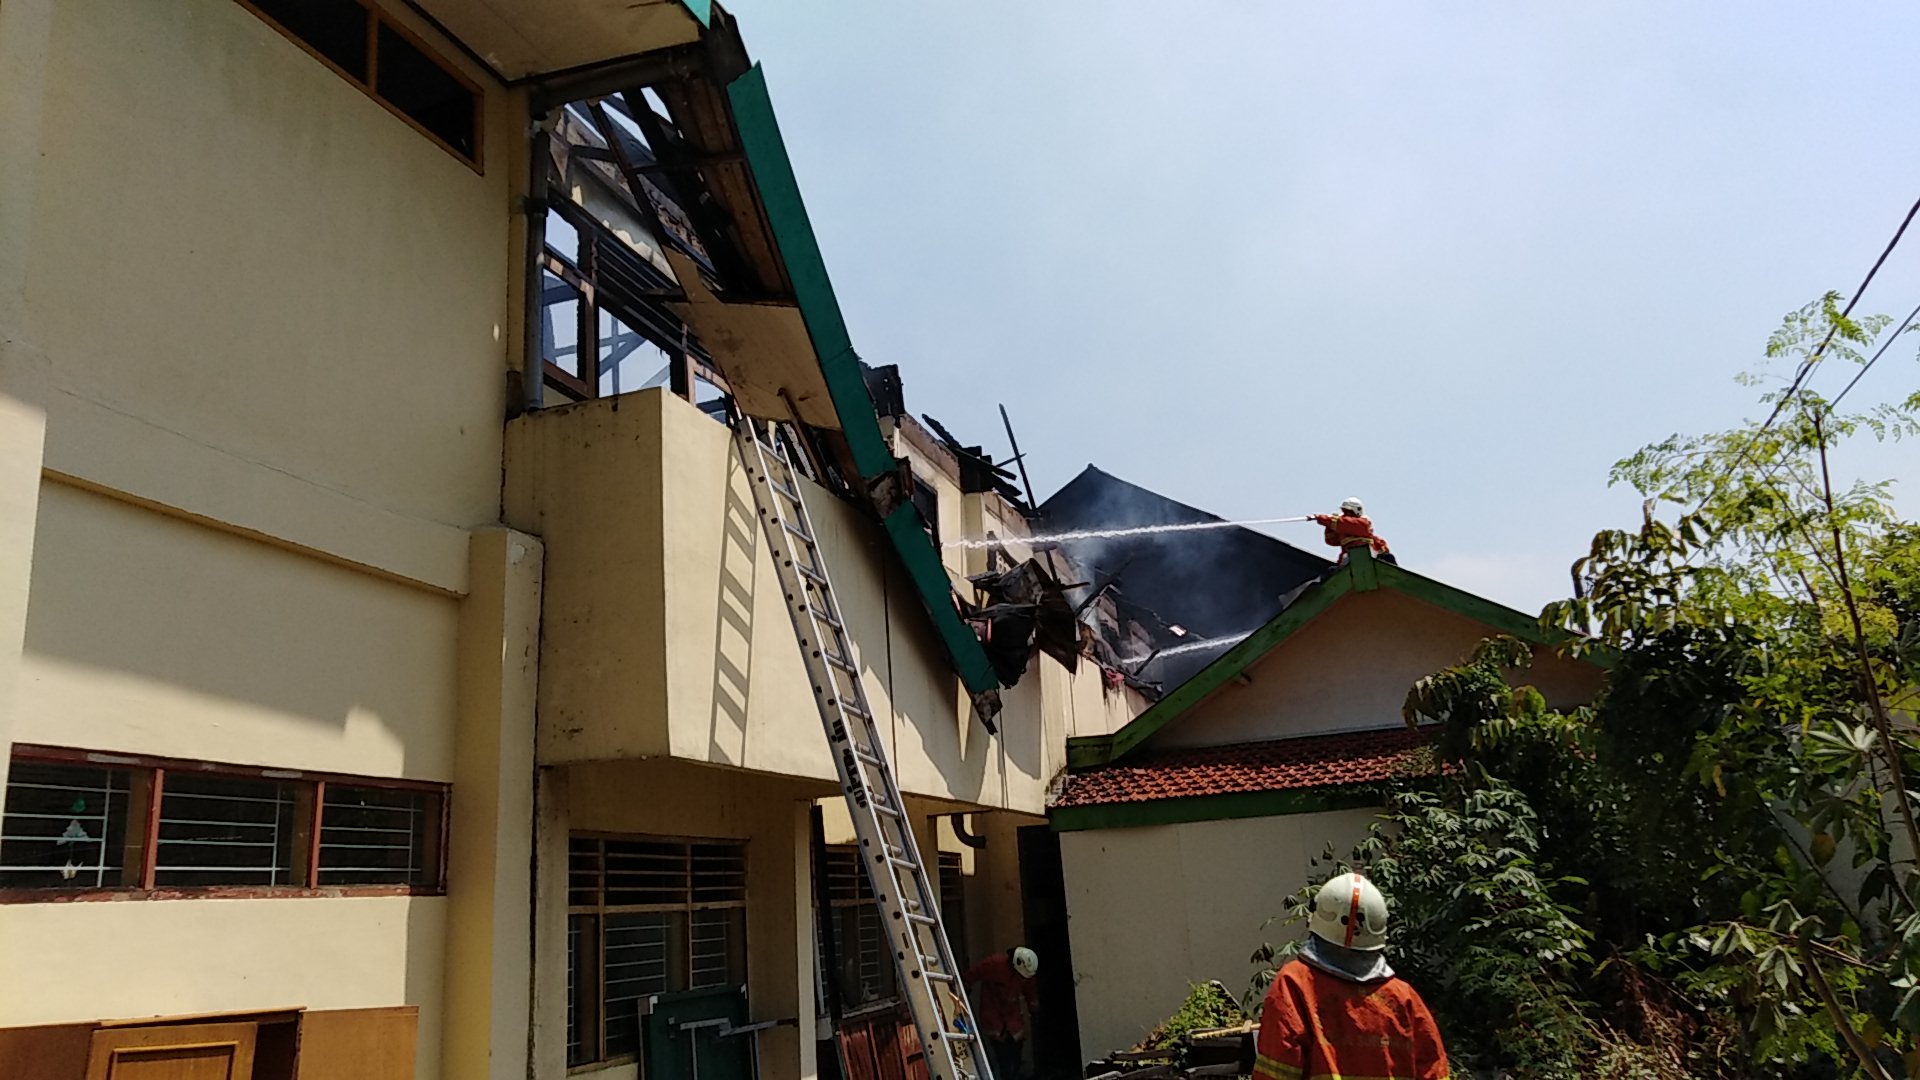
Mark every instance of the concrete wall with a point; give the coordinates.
(253, 328)
(1154, 909)
(666, 635)
(1351, 668)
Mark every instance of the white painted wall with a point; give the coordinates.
(1154, 909)
(1350, 669)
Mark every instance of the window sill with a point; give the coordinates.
(233, 892)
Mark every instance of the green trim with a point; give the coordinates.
(1239, 804)
(1088, 752)
(766, 154)
(701, 10)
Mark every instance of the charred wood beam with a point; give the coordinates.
(677, 169)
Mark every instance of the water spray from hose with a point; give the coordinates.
(1112, 534)
(1203, 645)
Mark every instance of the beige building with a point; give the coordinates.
(393, 675)
(1182, 832)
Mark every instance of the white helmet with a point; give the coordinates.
(1350, 912)
(1351, 505)
(1025, 963)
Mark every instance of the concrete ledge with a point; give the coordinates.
(101, 449)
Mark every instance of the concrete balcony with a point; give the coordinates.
(665, 635)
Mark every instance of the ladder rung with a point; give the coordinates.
(866, 755)
(805, 537)
(923, 920)
(825, 617)
(938, 976)
(883, 808)
(810, 574)
(839, 661)
(907, 863)
(791, 494)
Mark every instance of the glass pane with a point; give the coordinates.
(560, 324)
(336, 29)
(65, 827)
(715, 948)
(562, 238)
(638, 962)
(421, 89)
(627, 360)
(226, 830)
(646, 872)
(379, 836)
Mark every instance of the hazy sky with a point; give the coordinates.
(1453, 258)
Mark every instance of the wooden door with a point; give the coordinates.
(180, 1052)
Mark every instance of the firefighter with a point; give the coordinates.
(1351, 528)
(1004, 995)
(1338, 1010)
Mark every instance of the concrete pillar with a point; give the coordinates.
(489, 976)
(25, 31)
(780, 946)
(547, 1049)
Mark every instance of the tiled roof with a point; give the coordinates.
(1315, 761)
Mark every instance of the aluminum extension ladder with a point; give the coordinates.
(908, 902)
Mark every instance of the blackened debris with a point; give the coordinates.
(1027, 608)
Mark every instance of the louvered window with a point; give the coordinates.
(647, 916)
(859, 962)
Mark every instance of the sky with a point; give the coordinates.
(1454, 259)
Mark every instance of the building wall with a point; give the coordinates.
(265, 326)
(1351, 667)
(644, 508)
(1154, 909)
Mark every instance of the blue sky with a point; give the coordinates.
(1455, 259)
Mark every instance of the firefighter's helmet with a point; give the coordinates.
(1352, 505)
(1025, 963)
(1350, 912)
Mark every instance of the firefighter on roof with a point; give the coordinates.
(1351, 528)
(1338, 1010)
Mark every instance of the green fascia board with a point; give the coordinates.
(1360, 573)
(1239, 804)
(701, 10)
(766, 154)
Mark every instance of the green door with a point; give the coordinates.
(686, 1036)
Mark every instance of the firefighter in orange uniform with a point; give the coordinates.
(1004, 996)
(1338, 1010)
(1351, 528)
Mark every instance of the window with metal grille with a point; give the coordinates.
(647, 916)
(860, 962)
(953, 904)
(79, 821)
(373, 52)
(66, 827)
(379, 836)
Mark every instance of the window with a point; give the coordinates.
(953, 907)
(117, 826)
(861, 963)
(647, 916)
(383, 59)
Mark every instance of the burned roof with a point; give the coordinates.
(1213, 583)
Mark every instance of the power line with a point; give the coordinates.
(1905, 325)
(1806, 369)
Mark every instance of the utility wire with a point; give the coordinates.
(1904, 326)
(1806, 368)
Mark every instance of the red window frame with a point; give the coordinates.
(157, 769)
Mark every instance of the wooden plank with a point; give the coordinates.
(50, 1052)
(359, 1044)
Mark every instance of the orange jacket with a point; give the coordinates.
(1350, 530)
(1317, 1026)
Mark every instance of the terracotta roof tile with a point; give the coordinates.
(1314, 761)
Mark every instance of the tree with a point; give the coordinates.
(1710, 870)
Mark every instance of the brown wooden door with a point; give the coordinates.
(182, 1052)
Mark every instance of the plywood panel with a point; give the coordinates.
(173, 1052)
(359, 1044)
(54, 1052)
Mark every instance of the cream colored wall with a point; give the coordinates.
(670, 637)
(147, 634)
(1351, 667)
(697, 801)
(1154, 909)
(265, 299)
(86, 961)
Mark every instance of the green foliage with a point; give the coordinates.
(1208, 1005)
(1707, 872)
